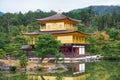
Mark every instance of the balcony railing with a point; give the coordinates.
(72, 28)
(43, 28)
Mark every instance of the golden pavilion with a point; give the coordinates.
(63, 29)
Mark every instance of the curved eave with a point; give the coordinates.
(33, 33)
(86, 34)
(56, 32)
(66, 20)
(77, 43)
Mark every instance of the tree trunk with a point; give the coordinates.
(8, 27)
(42, 77)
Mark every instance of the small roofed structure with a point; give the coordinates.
(27, 47)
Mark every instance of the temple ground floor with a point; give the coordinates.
(69, 50)
(73, 50)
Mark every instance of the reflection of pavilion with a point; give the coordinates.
(76, 72)
(80, 68)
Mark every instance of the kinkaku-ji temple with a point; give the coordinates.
(63, 29)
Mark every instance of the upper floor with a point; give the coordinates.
(65, 37)
(57, 22)
(57, 26)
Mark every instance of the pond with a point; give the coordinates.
(100, 70)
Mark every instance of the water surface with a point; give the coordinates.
(100, 70)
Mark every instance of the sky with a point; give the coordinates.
(23, 6)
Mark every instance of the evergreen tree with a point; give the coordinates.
(47, 44)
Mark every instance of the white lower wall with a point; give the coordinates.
(82, 67)
(82, 50)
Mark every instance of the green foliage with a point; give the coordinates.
(20, 39)
(33, 26)
(108, 48)
(85, 29)
(100, 10)
(13, 49)
(60, 68)
(2, 53)
(46, 44)
(59, 57)
(94, 47)
(13, 68)
(112, 49)
(81, 27)
(59, 77)
(40, 68)
(114, 33)
(22, 29)
(23, 61)
(2, 44)
(13, 76)
(104, 70)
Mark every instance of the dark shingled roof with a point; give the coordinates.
(57, 17)
(54, 17)
(54, 32)
(32, 33)
(27, 47)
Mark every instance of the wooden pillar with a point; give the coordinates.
(76, 51)
(72, 52)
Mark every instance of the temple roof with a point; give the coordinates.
(27, 47)
(54, 32)
(58, 17)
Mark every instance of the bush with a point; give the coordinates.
(23, 61)
(13, 68)
(40, 68)
(60, 68)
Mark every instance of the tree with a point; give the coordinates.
(33, 27)
(112, 49)
(13, 49)
(46, 44)
(2, 53)
(83, 28)
(23, 61)
(2, 44)
(59, 77)
(7, 21)
(114, 33)
(97, 42)
(20, 39)
(93, 47)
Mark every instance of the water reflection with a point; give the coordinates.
(80, 68)
(104, 70)
(75, 71)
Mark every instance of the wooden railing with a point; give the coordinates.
(66, 27)
(72, 28)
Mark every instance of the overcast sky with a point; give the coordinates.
(47, 5)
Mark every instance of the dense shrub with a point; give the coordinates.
(40, 68)
(13, 68)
